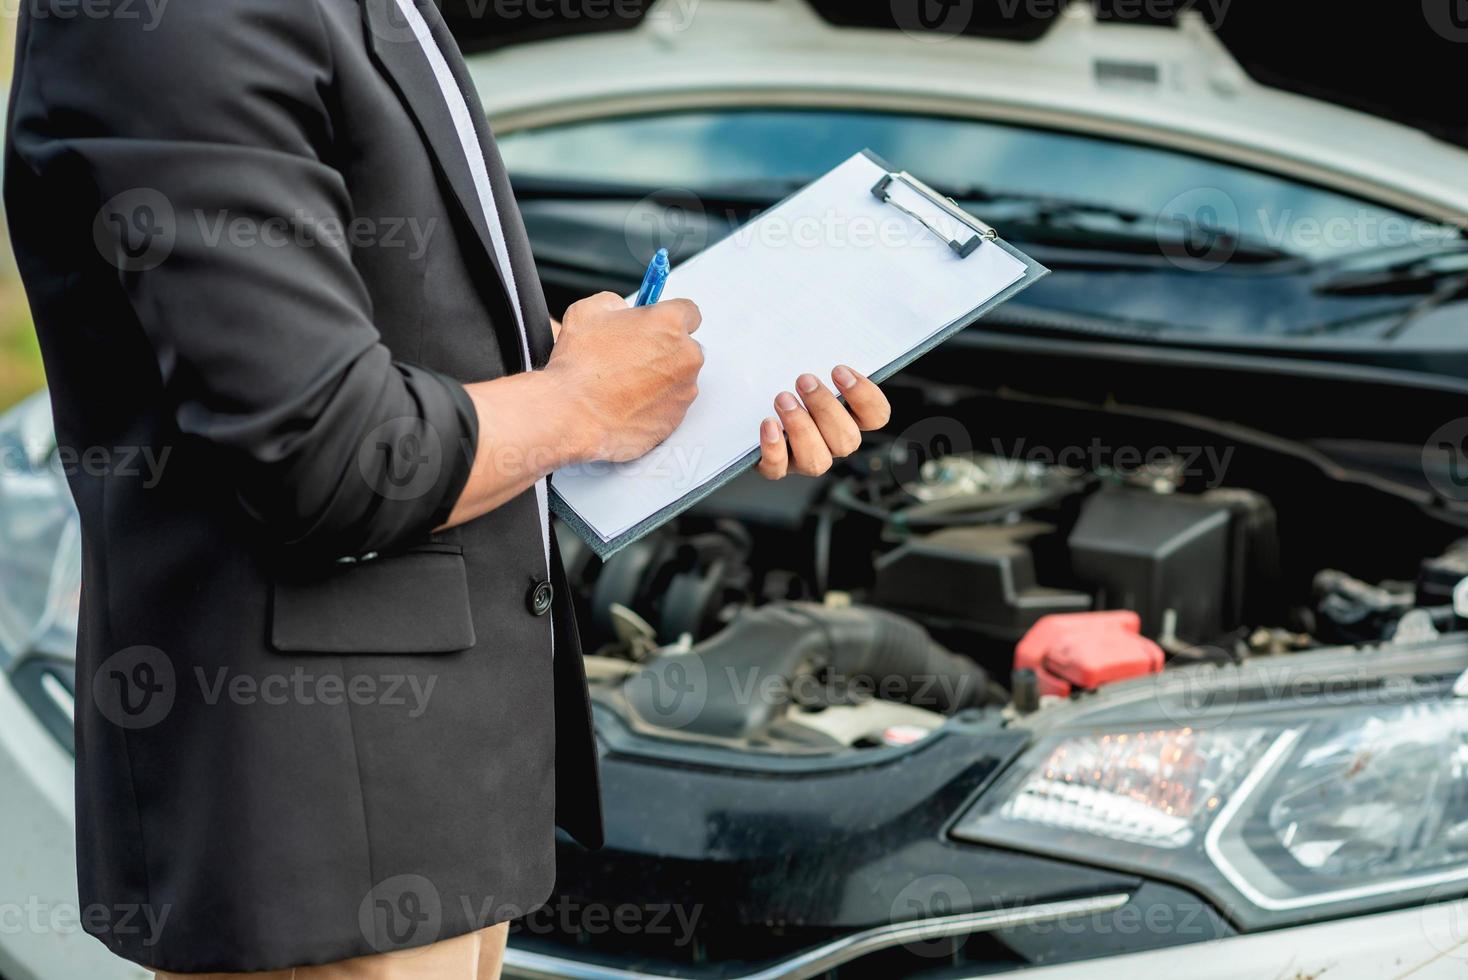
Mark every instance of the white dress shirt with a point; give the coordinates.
(461, 111)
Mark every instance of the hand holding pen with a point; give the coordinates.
(808, 437)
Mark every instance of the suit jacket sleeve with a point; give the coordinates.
(205, 144)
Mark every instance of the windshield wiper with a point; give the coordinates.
(1042, 206)
(1138, 232)
(1047, 219)
(1427, 275)
(1446, 292)
(1420, 274)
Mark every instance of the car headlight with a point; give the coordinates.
(1338, 809)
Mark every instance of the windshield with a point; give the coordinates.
(1145, 244)
(713, 151)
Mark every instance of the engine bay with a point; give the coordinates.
(964, 566)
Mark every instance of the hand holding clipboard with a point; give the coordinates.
(864, 266)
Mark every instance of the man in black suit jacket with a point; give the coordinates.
(330, 701)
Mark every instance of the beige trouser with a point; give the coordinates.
(472, 956)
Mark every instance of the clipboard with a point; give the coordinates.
(930, 217)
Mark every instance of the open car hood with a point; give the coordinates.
(1177, 88)
(1400, 62)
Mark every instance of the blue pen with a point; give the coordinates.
(655, 279)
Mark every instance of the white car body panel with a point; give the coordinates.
(41, 937)
(710, 53)
(1424, 944)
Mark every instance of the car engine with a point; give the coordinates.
(919, 579)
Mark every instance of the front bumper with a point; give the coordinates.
(526, 965)
(1423, 943)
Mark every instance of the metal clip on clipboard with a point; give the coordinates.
(962, 245)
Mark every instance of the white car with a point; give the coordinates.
(1234, 417)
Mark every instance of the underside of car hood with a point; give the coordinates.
(1397, 61)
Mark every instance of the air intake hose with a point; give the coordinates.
(739, 681)
(896, 659)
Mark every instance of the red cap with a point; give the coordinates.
(1086, 650)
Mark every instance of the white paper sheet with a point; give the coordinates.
(831, 276)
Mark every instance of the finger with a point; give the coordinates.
(864, 398)
(696, 356)
(774, 457)
(837, 426)
(812, 458)
(686, 312)
(600, 302)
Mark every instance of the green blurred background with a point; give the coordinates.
(20, 359)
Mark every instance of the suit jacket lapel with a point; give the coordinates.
(400, 55)
(537, 327)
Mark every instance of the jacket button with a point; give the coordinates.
(540, 598)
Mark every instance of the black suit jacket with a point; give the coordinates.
(308, 728)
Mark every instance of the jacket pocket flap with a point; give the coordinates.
(412, 602)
